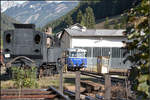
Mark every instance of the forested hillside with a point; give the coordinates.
(114, 22)
(101, 9)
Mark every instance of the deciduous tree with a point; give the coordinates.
(139, 35)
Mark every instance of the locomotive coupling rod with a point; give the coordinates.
(58, 92)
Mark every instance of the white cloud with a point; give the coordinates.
(20, 2)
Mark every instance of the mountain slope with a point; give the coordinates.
(39, 12)
(115, 22)
(7, 5)
(101, 9)
(7, 22)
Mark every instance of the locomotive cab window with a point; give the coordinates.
(8, 38)
(73, 54)
(80, 54)
(37, 39)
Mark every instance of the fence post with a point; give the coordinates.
(107, 95)
(61, 81)
(77, 94)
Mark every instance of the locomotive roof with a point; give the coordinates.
(32, 26)
(77, 50)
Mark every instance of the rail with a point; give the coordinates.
(101, 76)
(50, 93)
(58, 92)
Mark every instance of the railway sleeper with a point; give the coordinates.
(92, 86)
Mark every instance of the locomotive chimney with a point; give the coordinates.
(48, 30)
(48, 40)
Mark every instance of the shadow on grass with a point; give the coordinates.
(5, 77)
(72, 80)
(69, 80)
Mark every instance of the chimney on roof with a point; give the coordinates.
(83, 29)
(48, 40)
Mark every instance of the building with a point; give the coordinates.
(98, 42)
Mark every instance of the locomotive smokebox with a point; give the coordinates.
(23, 41)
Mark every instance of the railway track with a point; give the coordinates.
(42, 94)
(101, 77)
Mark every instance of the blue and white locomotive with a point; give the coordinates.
(76, 58)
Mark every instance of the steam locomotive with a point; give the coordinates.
(24, 46)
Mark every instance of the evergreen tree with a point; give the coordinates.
(116, 26)
(89, 17)
(79, 17)
(106, 24)
(69, 20)
(83, 21)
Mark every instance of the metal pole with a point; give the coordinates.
(110, 59)
(77, 95)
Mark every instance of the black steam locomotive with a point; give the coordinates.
(24, 46)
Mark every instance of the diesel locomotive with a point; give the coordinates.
(76, 59)
(24, 46)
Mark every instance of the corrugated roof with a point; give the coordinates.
(95, 32)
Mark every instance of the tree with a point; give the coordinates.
(89, 17)
(83, 21)
(138, 32)
(69, 20)
(79, 17)
(106, 24)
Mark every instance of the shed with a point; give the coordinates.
(98, 42)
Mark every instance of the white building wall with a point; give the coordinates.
(97, 42)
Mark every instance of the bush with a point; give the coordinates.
(24, 77)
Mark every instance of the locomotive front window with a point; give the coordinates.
(8, 38)
(37, 39)
(73, 54)
(81, 54)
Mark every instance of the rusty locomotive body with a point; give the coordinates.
(24, 46)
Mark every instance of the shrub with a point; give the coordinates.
(24, 77)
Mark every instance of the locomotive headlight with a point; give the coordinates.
(7, 55)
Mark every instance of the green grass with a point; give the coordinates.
(45, 82)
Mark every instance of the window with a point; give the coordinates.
(73, 54)
(80, 54)
(8, 38)
(37, 39)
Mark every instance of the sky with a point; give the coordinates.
(24, 1)
(15, 1)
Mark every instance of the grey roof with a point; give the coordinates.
(95, 32)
